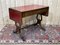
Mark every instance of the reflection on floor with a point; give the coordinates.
(33, 34)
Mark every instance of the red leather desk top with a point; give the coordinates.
(28, 7)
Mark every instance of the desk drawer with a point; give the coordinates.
(38, 11)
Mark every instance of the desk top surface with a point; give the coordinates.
(28, 7)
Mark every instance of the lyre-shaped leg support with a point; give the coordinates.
(39, 22)
(18, 30)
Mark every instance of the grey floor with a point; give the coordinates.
(1, 26)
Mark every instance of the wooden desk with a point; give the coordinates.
(17, 13)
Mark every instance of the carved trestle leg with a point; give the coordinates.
(18, 30)
(39, 22)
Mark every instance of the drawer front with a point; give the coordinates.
(43, 11)
(15, 15)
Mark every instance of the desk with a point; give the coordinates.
(17, 13)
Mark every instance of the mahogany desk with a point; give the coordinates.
(17, 13)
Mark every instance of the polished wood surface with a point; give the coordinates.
(16, 13)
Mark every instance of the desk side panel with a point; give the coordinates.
(15, 15)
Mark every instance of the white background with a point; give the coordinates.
(54, 10)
